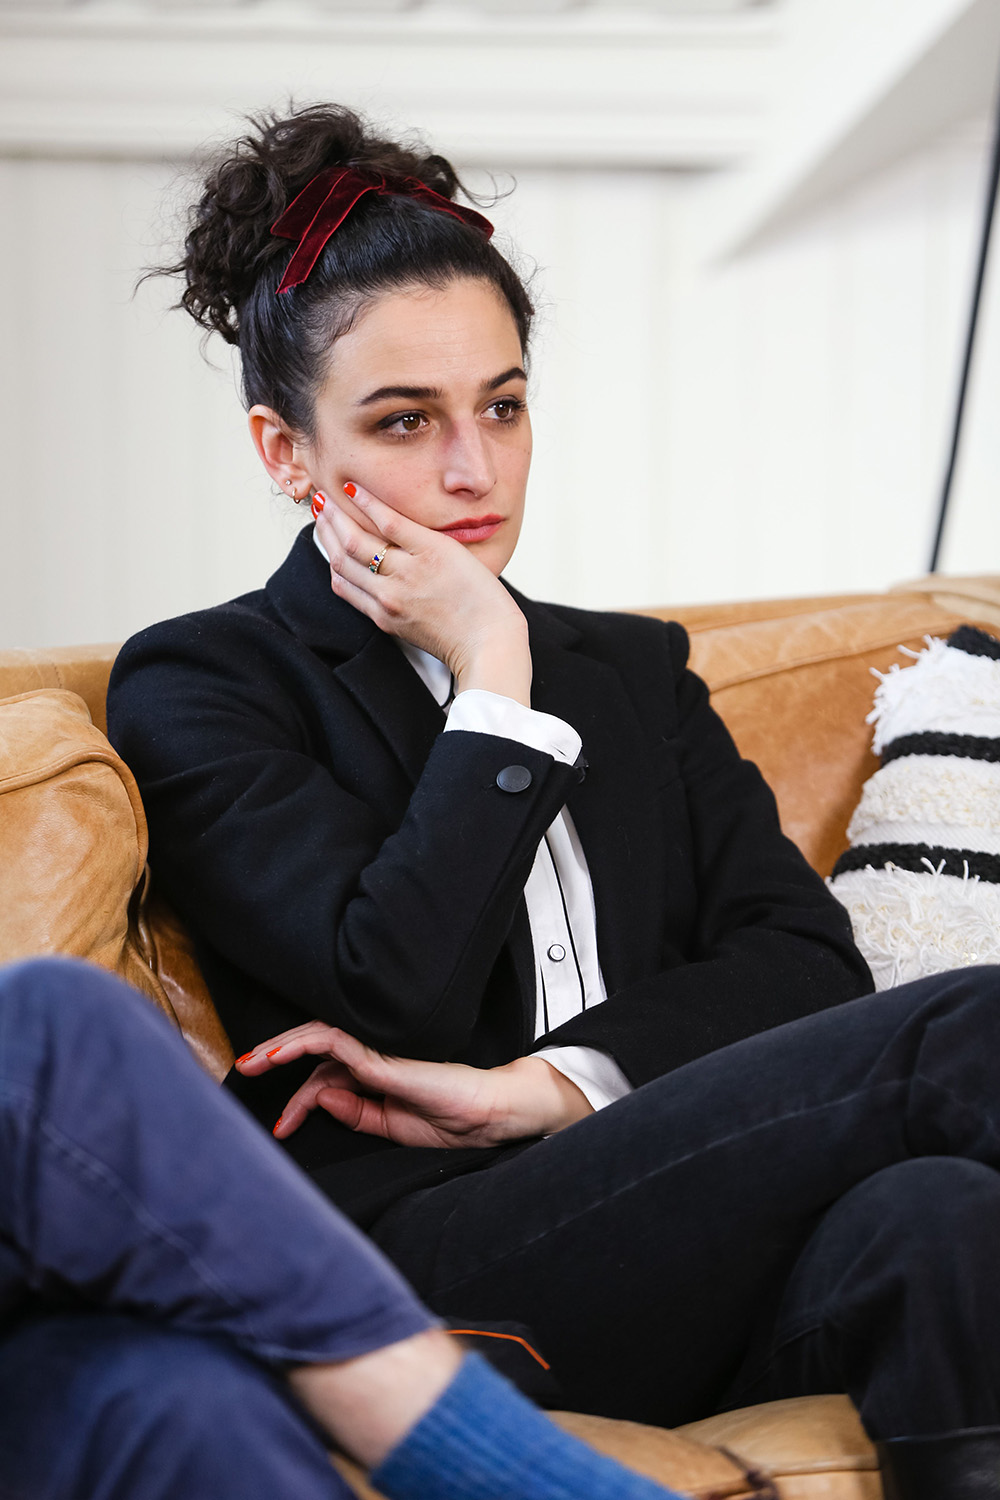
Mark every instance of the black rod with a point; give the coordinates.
(984, 250)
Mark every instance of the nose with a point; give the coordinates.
(469, 466)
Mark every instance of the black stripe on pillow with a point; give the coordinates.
(968, 746)
(913, 857)
(975, 642)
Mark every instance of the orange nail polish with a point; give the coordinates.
(277, 1127)
(319, 500)
(244, 1057)
(350, 489)
(273, 1052)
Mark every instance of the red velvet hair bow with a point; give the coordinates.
(323, 205)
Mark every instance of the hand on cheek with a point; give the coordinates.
(347, 535)
(432, 591)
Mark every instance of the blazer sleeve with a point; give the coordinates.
(769, 943)
(386, 922)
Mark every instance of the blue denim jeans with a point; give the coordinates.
(160, 1261)
(815, 1209)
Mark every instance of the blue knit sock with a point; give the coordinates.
(483, 1440)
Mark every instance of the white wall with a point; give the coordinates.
(772, 423)
(132, 489)
(812, 385)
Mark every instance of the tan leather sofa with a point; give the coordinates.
(791, 677)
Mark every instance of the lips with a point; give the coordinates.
(472, 528)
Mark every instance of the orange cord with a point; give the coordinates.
(479, 1333)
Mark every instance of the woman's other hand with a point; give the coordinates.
(418, 1103)
(430, 590)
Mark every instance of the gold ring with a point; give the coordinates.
(378, 558)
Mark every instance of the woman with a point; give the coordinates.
(500, 868)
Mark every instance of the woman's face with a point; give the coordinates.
(425, 406)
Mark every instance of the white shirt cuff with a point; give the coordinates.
(491, 713)
(596, 1075)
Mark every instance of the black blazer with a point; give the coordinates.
(338, 856)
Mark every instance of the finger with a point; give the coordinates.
(315, 1038)
(319, 1040)
(248, 1062)
(298, 1109)
(306, 1098)
(317, 504)
(254, 1064)
(355, 557)
(378, 1072)
(366, 1116)
(341, 498)
(394, 526)
(346, 540)
(327, 513)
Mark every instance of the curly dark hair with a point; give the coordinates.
(232, 263)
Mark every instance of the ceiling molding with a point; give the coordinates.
(412, 12)
(590, 87)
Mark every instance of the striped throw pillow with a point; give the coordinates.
(921, 879)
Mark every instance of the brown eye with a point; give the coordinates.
(507, 409)
(400, 424)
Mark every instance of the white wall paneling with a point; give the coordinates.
(604, 246)
(132, 491)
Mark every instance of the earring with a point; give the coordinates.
(296, 498)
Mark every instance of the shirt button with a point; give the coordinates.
(557, 953)
(514, 779)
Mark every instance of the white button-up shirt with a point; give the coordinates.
(558, 892)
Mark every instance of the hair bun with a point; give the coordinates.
(254, 180)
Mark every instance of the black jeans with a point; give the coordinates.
(815, 1209)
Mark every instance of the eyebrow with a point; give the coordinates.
(432, 393)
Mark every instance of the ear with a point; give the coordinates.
(282, 455)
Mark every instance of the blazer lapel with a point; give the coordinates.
(367, 663)
(382, 682)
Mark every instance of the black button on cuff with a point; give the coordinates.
(514, 779)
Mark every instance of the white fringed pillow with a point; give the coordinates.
(921, 879)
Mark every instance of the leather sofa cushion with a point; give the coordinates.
(685, 1464)
(794, 685)
(812, 1447)
(74, 841)
(79, 669)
